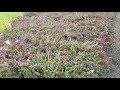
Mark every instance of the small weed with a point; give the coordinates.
(90, 57)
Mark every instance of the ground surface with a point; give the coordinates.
(115, 72)
(57, 45)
